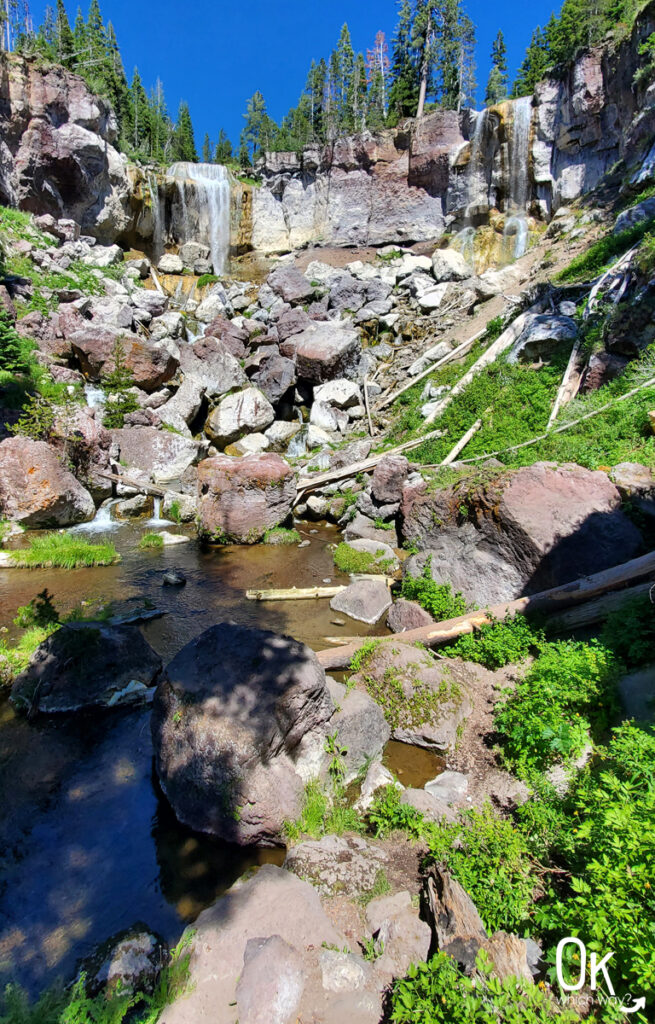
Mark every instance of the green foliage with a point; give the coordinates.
(19, 654)
(629, 632)
(362, 656)
(406, 708)
(206, 279)
(498, 644)
(565, 700)
(174, 511)
(40, 611)
(347, 559)
(606, 840)
(323, 814)
(14, 350)
(280, 535)
(646, 256)
(151, 541)
(438, 992)
(116, 384)
(437, 598)
(598, 256)
(36, 420)
(63, 551)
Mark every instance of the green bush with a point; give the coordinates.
(437, 598)
(64, 551)
(597, 257)
(206, 279)
(565, 700)
(280, 535)
(498, 644)
(36, 420)
(437, 992)
(14, 350)
(630, 632)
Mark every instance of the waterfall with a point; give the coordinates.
(95, 397)
(102, 521)
(476, 162)
(464, 242)
(156, 518)
(211, 185)
(158, 220)
(515, 237)
(519, 153)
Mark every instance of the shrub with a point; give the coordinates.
(14, 350)
(323, 814)
(498, 644)
(64, 551)
(565, 700)
(646, 256)
(36, 420)
(438, 992)
(630, 631)
(206, 279)
(437, 598)
(151, 541)
(117, 385)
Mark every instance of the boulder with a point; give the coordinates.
(208, 360)
(292, 286)
(36, 490)
(181, 410)
(635, 215)
(542, 332)
(404, 615)
(191, 252)
(365, 600)
(384, 558)
(88, 664)
(234, 338)
(324, 351)
(275, 376)
(280, 433)
(154, 302)
(424, 700)
(170, 264)
(363, 528)
(337, 865)
(377, 777)
(134, 508)
(522, 531)
(449, 265)
(151, 363)
(449, 787)
(251, 444)
(431, 808)
(168, 325)
(389, 478)
(272, 902)
(239, 499)
(324, 417)
(104, 256)
(246, 412)
(184, 506)
(228, 721)
(291, 322)
(161, 455)
(361, 728)
(401, 937)
(271, 983)
(342, 394)
(132, 965)
(214, 305)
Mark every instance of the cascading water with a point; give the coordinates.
(157, 517)
(102, 522)
(515, 237)
(157, 218)
(464, 242)
(211, 185)
(519, 153)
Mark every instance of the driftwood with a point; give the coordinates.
(137, 485)
(463, 441)
(565, 426)
(612, 272)
(368, 408)
(591, 612)
(500, 345)
(456, 353)
(308, 593)
(366, 465)
(566, 392)
(547, 601)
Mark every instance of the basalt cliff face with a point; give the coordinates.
(57, 151)
(408, 184)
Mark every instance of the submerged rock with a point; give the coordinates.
(228, 722)
(240, 498)
(88, 664)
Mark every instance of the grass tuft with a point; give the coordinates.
(64, 551)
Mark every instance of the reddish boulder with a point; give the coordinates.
(239, 499)
(520, 532)
(290, 285)
(389, 478)
(234, 338)
(404, 615)
(35, 488)
(324, 351)
(151, 364)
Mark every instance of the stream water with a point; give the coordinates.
(88, 846)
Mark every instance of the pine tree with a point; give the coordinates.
(497, 83)
(358, 94)
(342, 65)
(535, 64)
(403, 95)
(244, 155)
(184, 146)
(207, 149)
(223, 149)
(377, 68)
(65, 40)
(79, 33)
(140, 111)
(95, 32)
(258, 131)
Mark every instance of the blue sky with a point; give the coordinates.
(214, 54)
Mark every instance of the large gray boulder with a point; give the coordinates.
(240, 498)
(229, 720)
(246, 412)
(449, 265)
(337, 865)
(159, 454)
(518, 532)
(292, 286)
(362, 730)
(542, 332)
(36, 490)
(88, 664)
(324, 351)
(210, 362)
(364, 600)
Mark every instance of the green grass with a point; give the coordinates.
(349, 560)
(322, 815)
(151, 541)
(600, 255)
(436, 598)
(207, 279)
(280, 535)
(63, 551)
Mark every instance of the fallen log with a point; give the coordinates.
(463, 441)
(142, 488)
(592, 612)
(366, 465)
(456, 353)
(565, 393)
(500, 345)
(547, 601)
(308, 593)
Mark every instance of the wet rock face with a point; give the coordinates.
(239, 499)
(58, 154)
(522, 532)
(88, 664)
(227, 725)
(35, 488)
